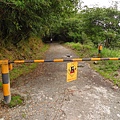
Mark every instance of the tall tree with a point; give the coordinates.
(98, 25)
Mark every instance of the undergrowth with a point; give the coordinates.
(32, 48)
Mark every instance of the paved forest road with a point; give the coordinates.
(50, 97)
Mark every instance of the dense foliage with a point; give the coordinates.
(21, 18)
(96, 25)
(58, 19)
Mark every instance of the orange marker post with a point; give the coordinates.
(99, 50)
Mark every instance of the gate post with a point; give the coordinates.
(6, 81)
(99, 50)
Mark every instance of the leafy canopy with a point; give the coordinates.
(21, 18)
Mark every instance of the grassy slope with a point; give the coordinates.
(109, 69)
(30, 49)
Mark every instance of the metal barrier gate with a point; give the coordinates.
(7, 65)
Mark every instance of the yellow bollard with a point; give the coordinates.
(99, 50)
(6, 82)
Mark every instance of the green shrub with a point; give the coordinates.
(16, 100)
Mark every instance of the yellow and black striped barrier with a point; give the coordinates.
(63, 60)
(5, 81)
(7, 65)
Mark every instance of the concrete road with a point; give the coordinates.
(49, 97)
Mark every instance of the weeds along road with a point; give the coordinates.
(49, 97)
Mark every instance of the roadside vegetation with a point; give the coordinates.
(109, 69)
(16, 100)
(34, 48)
(31, 49)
